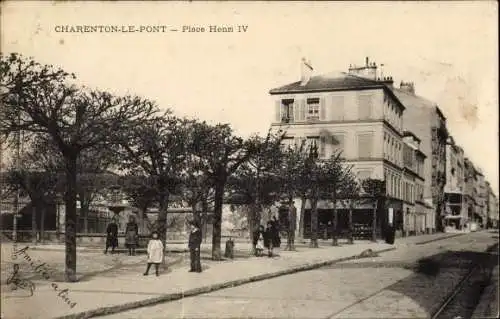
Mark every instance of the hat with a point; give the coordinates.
(194, 223)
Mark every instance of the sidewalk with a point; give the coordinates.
(128, 288)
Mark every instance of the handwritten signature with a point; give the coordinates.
(18, 282)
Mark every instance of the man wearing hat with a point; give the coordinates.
(194, 246)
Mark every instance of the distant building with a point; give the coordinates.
(471, 191)
(425, 119)
(415, 210)
(455, 209)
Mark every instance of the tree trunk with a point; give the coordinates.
(217, 221)
(204, 204)
(34, 227)
(351, 228)
(335, 241)
(70, 222)
(162, 219)
(85, 213)
(314, 223)
(301, 217)
(374, 222)
(42, 224)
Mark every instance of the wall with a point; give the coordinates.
(418, 120)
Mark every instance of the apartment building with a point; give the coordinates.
(415, 210)
(455, 208)
(471, 190)
(355, 113)
(492, 208)
(425, 119)
(482, 197)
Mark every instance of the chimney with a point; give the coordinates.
(408, 87)
(369, 70)
(387, 80)
(306, 70)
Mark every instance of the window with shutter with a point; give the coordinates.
(365, 144)
(322, 109)
(337, 108)
(322, 147)
(302, 110)
(296, 110)
(277, 111)
(364, 106)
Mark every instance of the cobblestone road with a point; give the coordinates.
(393, 285)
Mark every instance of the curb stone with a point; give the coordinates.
(206, 289)
(440, 238)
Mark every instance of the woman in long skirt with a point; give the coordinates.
(131, 235)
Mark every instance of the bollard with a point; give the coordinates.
(229, 252)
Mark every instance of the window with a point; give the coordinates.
(365, 144)
(313, 109)
(312, 141)
(337, 108)
(364, 106)
(287, 110)
(322, 146)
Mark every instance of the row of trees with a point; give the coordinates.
(75, 135)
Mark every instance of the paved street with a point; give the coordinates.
(389, 286)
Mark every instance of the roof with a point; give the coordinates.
(409, 133)
(408, 98)
(337, 82)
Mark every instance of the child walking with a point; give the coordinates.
(259, 248)
(155, 253)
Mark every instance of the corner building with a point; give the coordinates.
(355, 113)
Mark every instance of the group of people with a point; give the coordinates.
(267, 238)
(131, 236)
(155, 248)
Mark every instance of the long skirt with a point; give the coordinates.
(131, 239)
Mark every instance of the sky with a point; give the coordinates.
(448, 49)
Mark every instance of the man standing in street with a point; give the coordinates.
(194, 247)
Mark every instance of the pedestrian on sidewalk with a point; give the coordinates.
(111, 236)
(275, 231)
(194, 247)
(131, 235)
(155, 253)
(268, 238)
(259, 241)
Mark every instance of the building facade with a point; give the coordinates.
(425, 119)
(492, 205)
(455, 207)
(355, 114)
(415, 210)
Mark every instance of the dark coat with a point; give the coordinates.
(268, 237)
(131, 234)
(194, 239)
(112, 235)
(275, 233)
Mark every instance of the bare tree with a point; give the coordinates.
(39, 99)
(157, 151)
(222, 154)
(256, 181)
